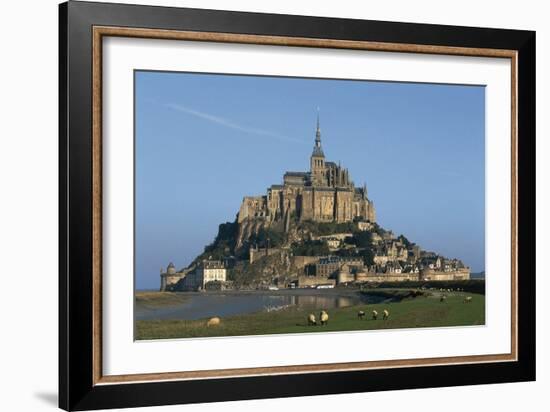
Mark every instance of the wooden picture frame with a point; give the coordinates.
(82, 385)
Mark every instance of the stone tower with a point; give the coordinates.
(317, 161)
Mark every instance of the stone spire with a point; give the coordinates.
(318, 132)
(317, 149)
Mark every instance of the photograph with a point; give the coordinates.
(286, 205)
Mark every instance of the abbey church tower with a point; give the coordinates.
(317, 162)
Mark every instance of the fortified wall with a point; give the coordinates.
(458, 274)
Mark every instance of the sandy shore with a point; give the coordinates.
(153, 300)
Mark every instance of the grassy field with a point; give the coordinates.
(154, 300)
(422, 311)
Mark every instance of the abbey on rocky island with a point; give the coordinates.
(317, 229)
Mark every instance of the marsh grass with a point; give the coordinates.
(412, 312)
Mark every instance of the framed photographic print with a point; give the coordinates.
(257, 205)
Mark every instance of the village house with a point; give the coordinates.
(205, 272)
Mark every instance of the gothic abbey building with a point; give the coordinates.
(324, 194)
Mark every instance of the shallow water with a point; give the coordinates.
(204, 305)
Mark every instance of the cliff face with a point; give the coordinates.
(247, 230)
(265, 271)
(235, 239)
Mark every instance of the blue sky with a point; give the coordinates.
(202, 142)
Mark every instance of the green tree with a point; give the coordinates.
(404, 240)
(362, 239)
(368, 256)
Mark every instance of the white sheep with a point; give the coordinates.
(467, 299)
(311, 320)
(374, 314)
(215, 321)
(323, 317)
(361, 314)
(442, 298)
(386, 314)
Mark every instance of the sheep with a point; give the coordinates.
(442, 298)
(311, 320)
(323, 318)
(374, 315)
(215, 321)
(386, 314)
(467, 299)
(361, 314)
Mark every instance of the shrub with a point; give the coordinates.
(327, 228)
(268, 237)
(310, 248)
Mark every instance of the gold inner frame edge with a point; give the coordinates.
(102, 31)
